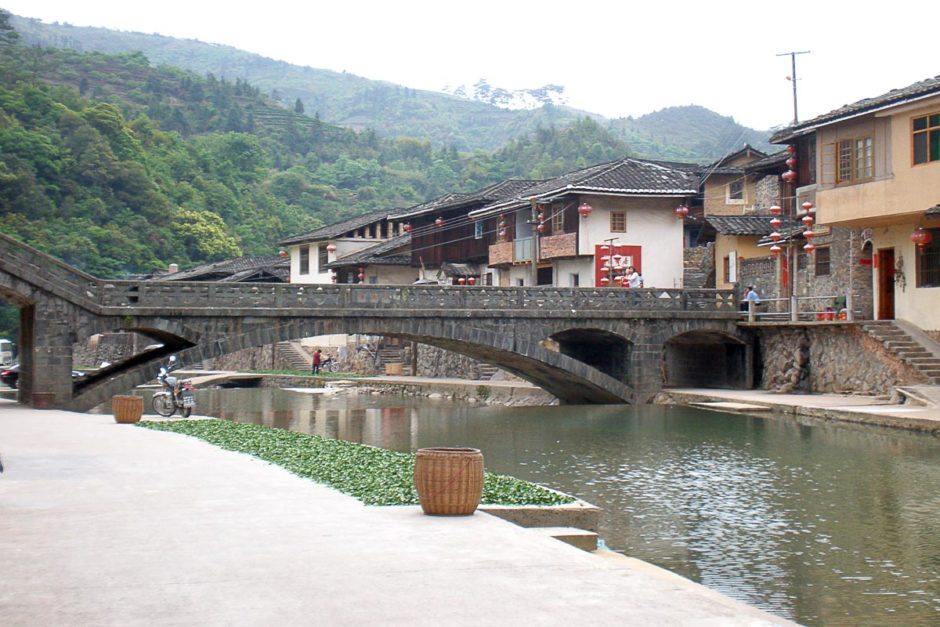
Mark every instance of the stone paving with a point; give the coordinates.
(108, 524)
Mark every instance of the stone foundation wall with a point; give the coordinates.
(833, 359)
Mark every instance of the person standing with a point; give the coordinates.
(317, 360)
(750, 295)
(632, 277)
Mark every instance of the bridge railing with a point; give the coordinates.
(166, 294)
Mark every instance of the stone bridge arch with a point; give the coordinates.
(505, 326)
(708, 358)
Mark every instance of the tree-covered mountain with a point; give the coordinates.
(690, 133)
(120, 168)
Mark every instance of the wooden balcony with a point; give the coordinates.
(558, 246)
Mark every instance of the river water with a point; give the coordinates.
(822, 523)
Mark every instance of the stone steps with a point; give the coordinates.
(296, 357)
(485, 372)
(906, 348)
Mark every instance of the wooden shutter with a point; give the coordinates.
(829, 164)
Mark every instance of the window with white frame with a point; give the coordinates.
(736, 192)
(304, 260)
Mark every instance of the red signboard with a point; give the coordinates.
(629, 256)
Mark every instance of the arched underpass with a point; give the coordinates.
(603, 350)
(707, 359)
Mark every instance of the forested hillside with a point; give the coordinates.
(676, 133)
(121, 168)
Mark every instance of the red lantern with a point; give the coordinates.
(808, 234)
(503, 224)
(333, 278)
(540, 228)
(775, 223)
(585, 209)
(807, 221)
(808, 247)
(471, 281)
(775, 236)
(540, 217)
(461, 281)
(360, 276)
(331, 248)
(439, 222)
(807, 206)
(604, 281)
(282, 253)
(502, 234)
(681, 212)
(776, 210)
(406, 227)
(791, 149)
(789, 176)
(791, 163)
(775, 249)
(921, 237)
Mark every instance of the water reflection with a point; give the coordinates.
(818, 522)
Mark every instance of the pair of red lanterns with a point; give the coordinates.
(807, 221)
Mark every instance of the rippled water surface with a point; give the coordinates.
(818, 522)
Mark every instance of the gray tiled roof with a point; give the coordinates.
(236, 269)
(720, 167)
(770, 162)
(920, 89)
(933, 213)
(493, 193)
(335, 230)
(381, 253)
(625, 176)
(740, 225)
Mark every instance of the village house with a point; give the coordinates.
(732, 213)
(584, 227)
(311, 252)
(873, 167)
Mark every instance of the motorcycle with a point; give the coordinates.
(175, 394)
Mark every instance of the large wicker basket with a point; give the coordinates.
(127, 409)
(449, 481)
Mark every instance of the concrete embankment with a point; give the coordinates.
(920, 410)
(108, 524)
(504, 393)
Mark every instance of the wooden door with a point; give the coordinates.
(885, 283)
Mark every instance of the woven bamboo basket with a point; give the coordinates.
(127, 409)
(449, 481)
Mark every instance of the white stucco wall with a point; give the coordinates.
(651, 224)
(921, 306)
(344, 247)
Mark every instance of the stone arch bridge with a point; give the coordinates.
(584, 345)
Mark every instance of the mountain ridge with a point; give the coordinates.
(393, 110)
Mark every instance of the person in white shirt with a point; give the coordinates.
(632, 278)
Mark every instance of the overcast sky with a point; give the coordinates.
(613, 58)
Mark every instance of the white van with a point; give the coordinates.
(6, 352)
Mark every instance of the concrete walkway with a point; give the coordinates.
(921, 412)
(107, 524)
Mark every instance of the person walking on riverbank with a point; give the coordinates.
(317, 360)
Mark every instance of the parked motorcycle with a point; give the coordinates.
(175, 393)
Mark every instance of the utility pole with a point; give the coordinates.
(792, 55)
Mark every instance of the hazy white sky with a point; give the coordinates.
(613, 58)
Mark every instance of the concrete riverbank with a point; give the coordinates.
(919, 411)
(112, 524)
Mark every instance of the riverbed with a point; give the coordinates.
(821, 523)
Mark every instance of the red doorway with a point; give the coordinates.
(886, 278)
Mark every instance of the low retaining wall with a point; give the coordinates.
(829, 358)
